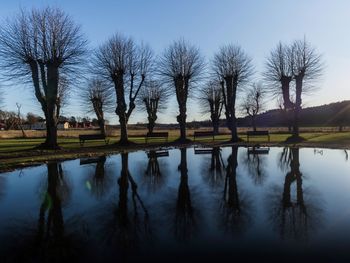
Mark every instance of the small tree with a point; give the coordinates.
(126, 65)
(153, 98)
(181, 67)
(46, 47)
(211, 101)
(253, 102)
(233, 68)
(98, 98)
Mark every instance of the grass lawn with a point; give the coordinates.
(19, 152)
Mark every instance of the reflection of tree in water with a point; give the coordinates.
(184, 219)
(294, 216)
(234, 210)
(127, 227)
(214, 175)
(51, 241)
(153, 174)
(99, 182)
(2, 185)
(256, 166)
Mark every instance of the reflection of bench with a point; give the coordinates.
(92, 137)
(197, 134)
(258, 150)
(257, 133)
(202, 150)
(153, 135)
(159, 153)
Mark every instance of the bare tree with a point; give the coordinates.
(253, 102)
(181, 67)
(279, 73)
(19, 106)
(233, 68)
(126, 65)
(211, 100)
(299, 62)
(98, 98)
(43, 47)
(153, 99)
(307, 67)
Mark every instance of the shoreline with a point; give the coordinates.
(29, 158)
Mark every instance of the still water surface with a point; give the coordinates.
(178, 204)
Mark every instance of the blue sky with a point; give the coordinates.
(256, 25)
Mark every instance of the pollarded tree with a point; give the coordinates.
(43, 47)
(181, 67)
(126, 65)
(98, 98)
(253, 102)
(299, 62)
(233, 68)
(279, 73)
(307, 67)
(211, 99)
(153, 99)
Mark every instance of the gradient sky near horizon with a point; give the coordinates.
(256, 25)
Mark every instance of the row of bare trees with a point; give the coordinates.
(44, 47)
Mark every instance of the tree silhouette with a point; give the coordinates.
(210, 97)
(232, 67)
(126, 65)
(299, 62)
(98, 98)
(153, 98)
(181, 67)
(253, 102)
(47, 47)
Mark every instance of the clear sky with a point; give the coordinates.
(256, 25)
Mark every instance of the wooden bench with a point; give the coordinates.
(92, 137)
(164, 135)
(257, 133)
(203, 134)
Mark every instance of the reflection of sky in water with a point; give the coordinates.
(91, 193)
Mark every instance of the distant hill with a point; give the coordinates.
(333, 114)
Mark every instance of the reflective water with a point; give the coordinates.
(181, 204)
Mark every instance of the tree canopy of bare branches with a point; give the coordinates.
(127, 65)
(152, 99)
(43, 47)
(98, 98)
(181, 67)
(232, 67)
(211, 99)
(253, 102)
(298, 62)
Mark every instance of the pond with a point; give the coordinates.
(180, 204)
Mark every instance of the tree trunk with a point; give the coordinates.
(51, 132)
(253, 123)
(297, 106)
(101, 124)
(123, 130)
(121, 108)
(151, 124)
(181, 119)
(216, 127)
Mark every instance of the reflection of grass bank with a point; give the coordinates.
(19, 152)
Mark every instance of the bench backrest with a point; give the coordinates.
(203, 133)
(91, 136)
(257, 133)
(157, 134)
